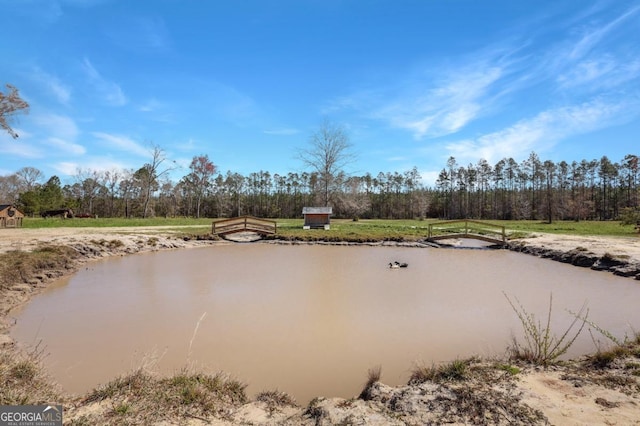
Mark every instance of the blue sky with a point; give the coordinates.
(247, 82)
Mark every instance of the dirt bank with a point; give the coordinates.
(601, 389)
(620, 256)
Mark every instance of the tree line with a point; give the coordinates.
(532, 189)
(539, 190)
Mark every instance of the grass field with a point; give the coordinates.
(56, 222)
(346, 229)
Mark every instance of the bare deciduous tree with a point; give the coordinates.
(150, 174)
(10, 188)
(10, 104)
(328, 152)
(29, 177)
(89, 183)
(112, 179)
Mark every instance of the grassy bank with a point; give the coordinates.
(55, 222)
(349, 230)
(22, 267)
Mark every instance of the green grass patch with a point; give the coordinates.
(584, 228)
(509, 369)
(362, 230)
(457, 370)
(36, 222)
(355, 231)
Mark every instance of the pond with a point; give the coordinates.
(306, 319)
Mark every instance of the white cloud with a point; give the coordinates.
(595, 36)
(600, 74)
(21, 147)
(111, 92)
(447, 107)
(57, 126)
(587, 72)
(53, 85)
(437, 101)
(603, 57)
(429, 177)
(66, 146)
(56, 133)
(61, 92)
(542, 131)
(98, 164)
(66, 168)
(123, 143)
(594, 56)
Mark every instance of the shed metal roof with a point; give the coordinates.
(317, 210)
(4, 207)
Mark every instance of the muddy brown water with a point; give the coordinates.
(308, 320)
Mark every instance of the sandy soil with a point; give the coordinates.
(562, 401)
(625, 246)
(28, 239)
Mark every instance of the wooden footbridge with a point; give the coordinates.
(244, 224)
(467, 228)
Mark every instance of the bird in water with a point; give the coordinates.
(396, 265)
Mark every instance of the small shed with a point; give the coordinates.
(10, 217)
(316, 217)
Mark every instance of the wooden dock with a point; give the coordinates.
(244, 224)
(467, 228)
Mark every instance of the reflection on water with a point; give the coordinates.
(309, 320)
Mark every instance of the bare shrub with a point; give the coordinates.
(542, 346)
(373, 376)
(20, 267)
(275, 400)
(138, 397)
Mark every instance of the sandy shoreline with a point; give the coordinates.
(27, 239)
(618, 246)
(552, 392)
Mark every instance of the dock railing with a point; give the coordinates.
(467, 228)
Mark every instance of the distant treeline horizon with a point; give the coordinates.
(532, 189)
